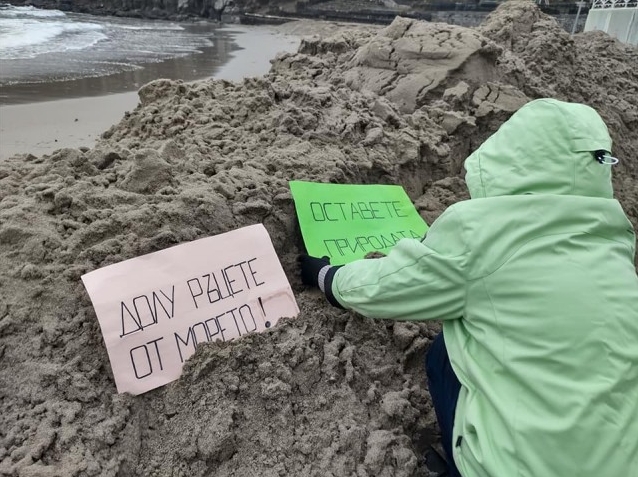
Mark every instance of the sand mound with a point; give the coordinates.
(326, 394)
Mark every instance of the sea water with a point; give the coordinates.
(27, 32)
(50, 54)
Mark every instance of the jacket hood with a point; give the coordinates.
(546, 147)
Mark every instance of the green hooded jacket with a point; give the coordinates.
(535, 282)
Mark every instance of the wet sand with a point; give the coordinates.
(41, 128)
(40, 123)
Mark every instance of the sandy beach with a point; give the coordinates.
(327, 393)
(40, 127)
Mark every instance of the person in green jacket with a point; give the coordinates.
(536, 371)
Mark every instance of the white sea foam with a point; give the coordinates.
(167, 27)
(26, 33)
(19, 34)
(49, 45)
(10, 11)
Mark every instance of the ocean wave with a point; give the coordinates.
(169, 27)
(10, 11)
(28, 39)
(93, 69)
(40, 49)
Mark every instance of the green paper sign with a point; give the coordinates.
(348, 221)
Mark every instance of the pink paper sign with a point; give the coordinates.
(155, 309)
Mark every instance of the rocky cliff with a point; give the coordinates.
(180, 9)
(173, 9)
(469, 14)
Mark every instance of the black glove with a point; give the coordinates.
(317, 272)
(310, 268)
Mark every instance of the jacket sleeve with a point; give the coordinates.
(417, 280)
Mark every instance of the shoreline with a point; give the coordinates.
(42, 126)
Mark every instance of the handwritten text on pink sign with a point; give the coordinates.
(155, 309)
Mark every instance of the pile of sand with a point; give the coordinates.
(326, 394)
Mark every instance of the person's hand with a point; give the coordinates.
(310, 268)
(317, 272)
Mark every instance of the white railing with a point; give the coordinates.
(615, 4)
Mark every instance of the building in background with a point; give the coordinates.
(618, 18)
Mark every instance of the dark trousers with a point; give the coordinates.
(444, 389)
